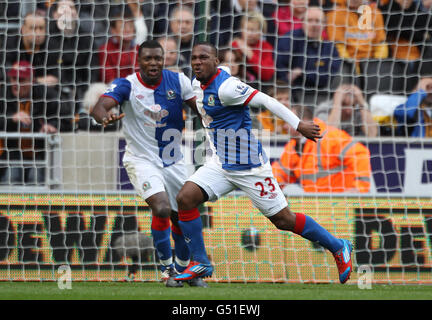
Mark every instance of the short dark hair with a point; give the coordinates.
(150, 44)
(208, 44)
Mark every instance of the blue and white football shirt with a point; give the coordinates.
(153, 121)
(223, 105)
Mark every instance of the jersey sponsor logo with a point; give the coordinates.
(211, 100)
(155, 108)
(156, 116)
(170, 94)
(140, 96)
(241, 88)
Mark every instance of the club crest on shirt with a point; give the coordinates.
(146, 186)
(211, 100)
(170, 94)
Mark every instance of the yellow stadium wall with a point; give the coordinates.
(403, 227)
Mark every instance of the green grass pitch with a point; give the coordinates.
(216, 291)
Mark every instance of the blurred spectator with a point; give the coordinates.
(290, 15)
(119, 56)
(269, 121)
(333, 164)
(407, 28)
(76, 58)
(257, 52)
(26, 108)
(160, 12)
(348, 111)
(32, 45)
(306, 61)
(326, 5)
(139, 22)
(228, 15)
(414, 117)
(85, 122)
(173, 60)
(426, 5)
(182, 27)
(357, 36)
(233, 60)
(92, 18)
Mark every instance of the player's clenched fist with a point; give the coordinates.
(310, 130)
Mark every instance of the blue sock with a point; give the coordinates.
(192, 231)
(181, 249)
(162, 243)
(309, 229)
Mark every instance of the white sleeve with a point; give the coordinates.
(234, 92)
(262, 100)
(186, 87)
(141, 31)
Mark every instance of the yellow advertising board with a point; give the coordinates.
(392, 238)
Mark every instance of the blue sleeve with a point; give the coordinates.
(407, 111)
(119, 90)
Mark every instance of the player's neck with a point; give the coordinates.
(206, 81)
(149, 81)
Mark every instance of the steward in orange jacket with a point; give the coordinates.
(334, 163)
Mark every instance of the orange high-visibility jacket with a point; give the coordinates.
(333, 164)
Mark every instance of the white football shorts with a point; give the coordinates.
(258, 183)
(149, 179)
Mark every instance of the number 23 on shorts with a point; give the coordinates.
(268, 183)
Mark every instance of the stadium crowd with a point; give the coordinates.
(331, 56)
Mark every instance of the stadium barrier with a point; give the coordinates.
(392, 238)
(91, 162)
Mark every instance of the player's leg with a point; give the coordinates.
(188, 200)
(160, 226)
(175, 177)
(309, 229)
(181, 248)
(207, 183)
(148, 181)
(161, 231)
(266, 195)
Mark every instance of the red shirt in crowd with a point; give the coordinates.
(116, 63)
(262, 63)
(285, 21)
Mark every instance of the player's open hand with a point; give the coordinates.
(310, 130)
(112, 118)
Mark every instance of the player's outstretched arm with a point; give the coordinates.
(101, 112)
(307, 129)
